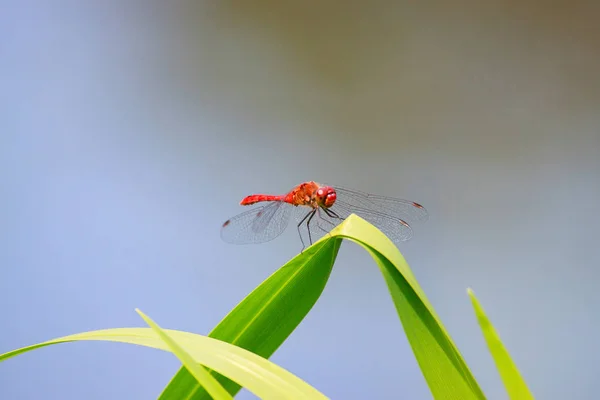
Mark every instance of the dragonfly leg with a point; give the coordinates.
(299, 233)
(312, 214)
(324, 219)
(332, 213)
(327, 232)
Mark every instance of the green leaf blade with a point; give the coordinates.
(203, 377)
(268, 315)
(511, 377)
(256, 373)
(441, 363)
(443, 368)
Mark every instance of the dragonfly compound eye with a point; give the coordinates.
(330, 198)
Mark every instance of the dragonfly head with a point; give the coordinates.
(326, 196)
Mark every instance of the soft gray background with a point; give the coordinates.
(131, 130)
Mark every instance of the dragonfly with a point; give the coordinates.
(319, 208)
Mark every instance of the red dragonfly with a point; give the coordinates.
(320, 208)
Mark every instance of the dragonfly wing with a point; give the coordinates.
(399, 208)
(259, 225)
(393, 227)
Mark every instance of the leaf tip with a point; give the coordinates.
(146, 319)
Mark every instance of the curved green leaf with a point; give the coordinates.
(264, 319)
(262, 377)
(444, 369)
(513, 381)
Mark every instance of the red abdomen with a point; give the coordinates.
(257, 198)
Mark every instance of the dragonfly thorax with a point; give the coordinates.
(311, 194)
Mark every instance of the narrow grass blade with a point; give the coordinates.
(204, 378)
(513, 381)
(262, 377)
(444, 369)
(268, 315)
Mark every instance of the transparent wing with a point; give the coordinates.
(258, 225)
(405, 210)
(393, 227)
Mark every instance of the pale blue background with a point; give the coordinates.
(130, 130)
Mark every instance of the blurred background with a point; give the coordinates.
(131, 130)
